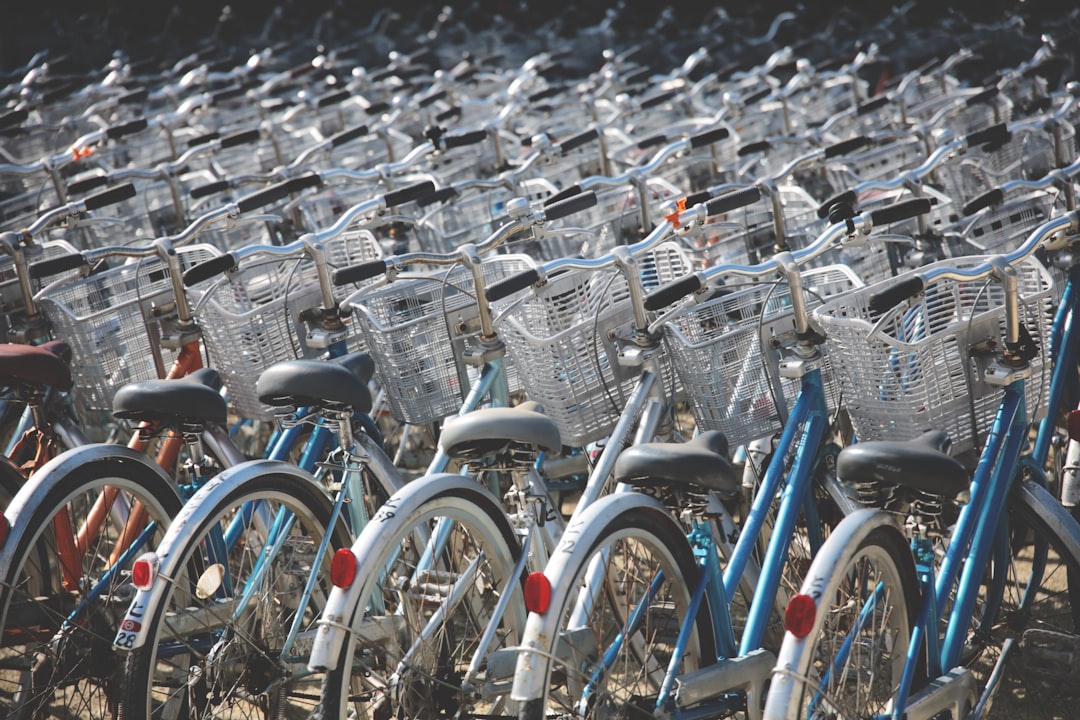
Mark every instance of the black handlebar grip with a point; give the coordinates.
(264, 197)
(134, 97)
(671, 292)
(636, 76)
(570, 205)
(983, 97)
(334, 98)
(849, 197)
(111, 196)
(992, 197)
(652, 142)
(14, 117)
(846, 146)
(407, 194)
(871, 105)
(548, 92)
(469, 138)
(511, 285)
(709, 137)
(128, 128)
(440, 195)
(732, 200)
(454, 112)
(209, 189)
(578, 140)
(658, 99)
(892, 296)
(377, 108)
(203, 139)
(227, 94)
(754, 147)
(311, 180)
(360, 272)
(466, 75)
(348, 136)
(697, 198)
(208, 269)
(87, 184)
(240, 137)
(433, 97)
(754, 98)
(900, 211)
(55, 265)
(566, 192)
(994, 134)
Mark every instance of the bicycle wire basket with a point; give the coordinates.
(418, 329)
(1003, 227)
(919, 366)
(251, 318)
(723, 352)
(562, 336)
(111, 321)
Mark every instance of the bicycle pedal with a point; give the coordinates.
(1051, 658)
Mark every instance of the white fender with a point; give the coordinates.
(342, 610)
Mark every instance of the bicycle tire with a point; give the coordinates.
(866, 551)
(404, 676)
(227, 666)
(1049, 610)
(644, 541)
(45, 671)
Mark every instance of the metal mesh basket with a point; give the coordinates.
(562, 338)
(250, 319)
(918, 366)
(108, 319)
(417, 329)
(473, 215)
(1001, 228)
(12, 306)
(881, 162)
(747, 235)
(722, 350)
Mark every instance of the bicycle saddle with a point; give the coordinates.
(36, 364)
(702, 462)
(491, 431)
(341, 383)
(191, 400)
(922, 463)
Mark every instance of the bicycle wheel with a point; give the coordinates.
(1037, 620)
(609, 654)
(431, 664)
(59, 606)
(214, 642)
(850, 661)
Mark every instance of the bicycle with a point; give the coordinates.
(925, 615)
(632, 604)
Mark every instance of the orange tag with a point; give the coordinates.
(80, 153)
(673, 218)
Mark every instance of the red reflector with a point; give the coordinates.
(537, 592)
(1074, 425)
(343, 568)
(799, 615)
(142, 573)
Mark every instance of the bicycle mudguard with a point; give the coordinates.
(573, 550)
(342, 610)
(132, 632)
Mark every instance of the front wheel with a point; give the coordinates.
(220, 642)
